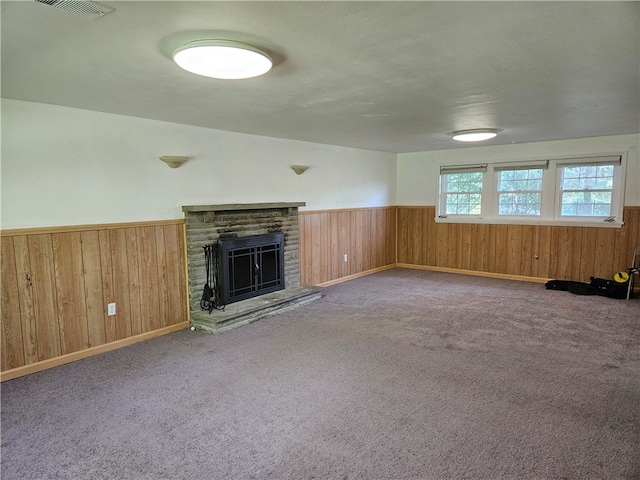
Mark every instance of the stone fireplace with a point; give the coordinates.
(208, 224)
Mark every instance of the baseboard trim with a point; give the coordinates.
(356, 275)
(504, 276)
(89, 352)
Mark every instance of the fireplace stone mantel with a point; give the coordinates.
(206, 224)
(229, 207)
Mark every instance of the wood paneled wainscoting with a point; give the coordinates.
(568, 253)
(366, 235)
(57, 283)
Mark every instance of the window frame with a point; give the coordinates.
(550, 195)
(513, 166)
(616, 209)
(444, 171)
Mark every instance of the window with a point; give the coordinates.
(461, 190)
(519, 191)
(463, 193)
(584, 191)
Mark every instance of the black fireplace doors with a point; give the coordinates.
(251, 266)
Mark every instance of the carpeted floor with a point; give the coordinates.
(404, 374)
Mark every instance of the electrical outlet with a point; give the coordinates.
(345, 257)
(111, 309)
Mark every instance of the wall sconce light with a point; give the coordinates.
(299, 169)
(174, 162)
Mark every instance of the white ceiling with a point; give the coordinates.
(390, 76)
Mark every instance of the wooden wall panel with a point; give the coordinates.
(544, 250)
(632, 222)
(56, 286)
(121, 283)
(175, 264)
(354, 253)
(25, 298)
(388, 237)
(479, 237)
(416, 249)
(363, 242)
(366, 236)
(377, 236)
(339, 239)
(390, 246)
(44, 296)
(528, 250)
(442, 245)
(304, 238)
(464, 243)
(575, 238)
(12, 342)
(605, 253)
(135, 290)
(94, 295)
(587, 254)
(72, 308)
(324, 246)
(454, 248)
(562, 252)
(403, 234)
(108, 295)
(161, 271)
(316, 247)
(147, 253)
(499, 240)
(334, 270)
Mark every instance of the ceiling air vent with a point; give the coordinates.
(78, 7)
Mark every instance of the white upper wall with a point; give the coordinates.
(418, 172)
(64, 166)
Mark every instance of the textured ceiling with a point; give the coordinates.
(391, 76)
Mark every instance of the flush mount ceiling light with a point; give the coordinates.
(475, 135)
(222, 59)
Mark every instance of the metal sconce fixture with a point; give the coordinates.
(174, 162)
(299, 169)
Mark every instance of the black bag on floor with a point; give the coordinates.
(609, 288)
(579, 288)
(597, 286)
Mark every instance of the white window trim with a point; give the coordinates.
(549, 208)
(447, 169)
(616, 208)
(502, 166)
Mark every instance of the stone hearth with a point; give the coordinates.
(205, 224)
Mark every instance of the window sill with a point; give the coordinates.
(528, 221)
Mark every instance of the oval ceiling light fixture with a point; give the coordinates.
(222, 59)
(475, 135)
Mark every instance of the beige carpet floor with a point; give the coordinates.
(404, 374)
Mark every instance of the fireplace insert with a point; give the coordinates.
(251, 266)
